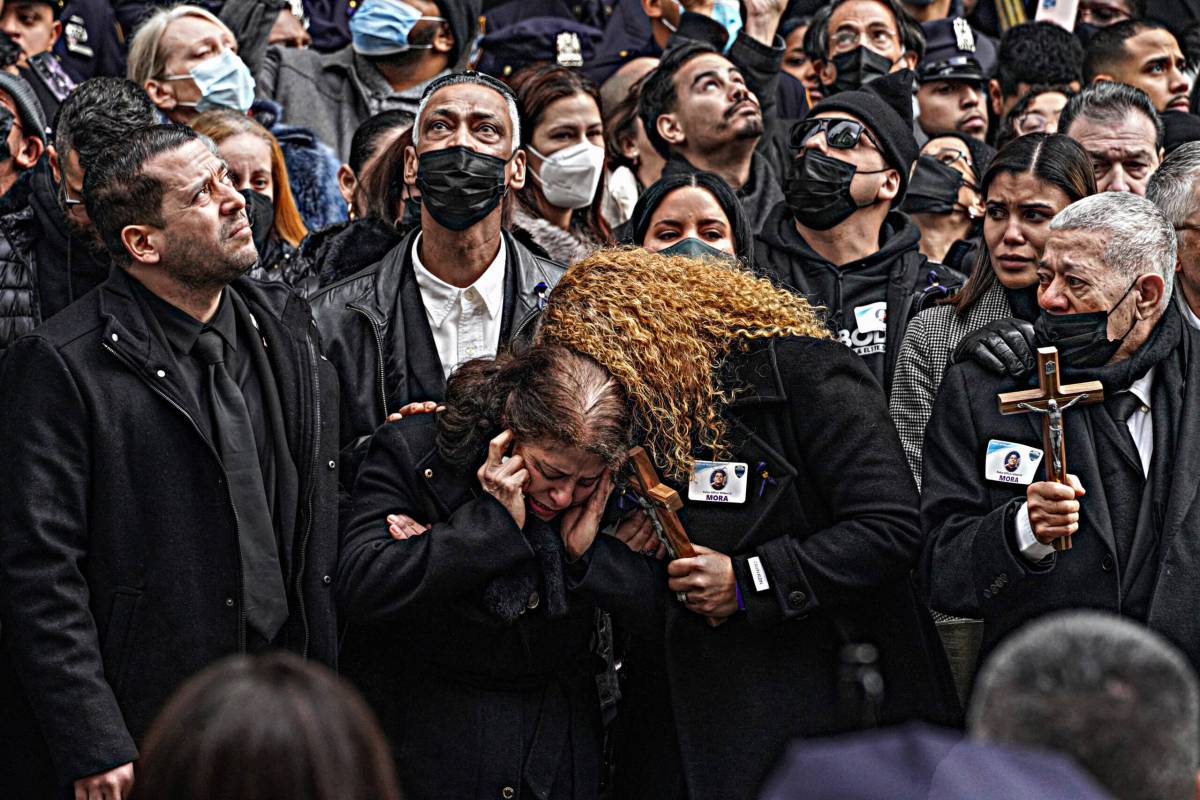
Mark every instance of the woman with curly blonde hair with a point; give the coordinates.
(805, 543)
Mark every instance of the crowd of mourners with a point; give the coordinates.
(599, 399)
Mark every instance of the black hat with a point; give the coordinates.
(885, 105)
(29, 109)
(951, 52)
(552, 40)
(463, 18)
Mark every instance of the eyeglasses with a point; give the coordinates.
(840, 134)
(68, 201)
(1032, 122)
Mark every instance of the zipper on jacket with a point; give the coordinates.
(237, 527)
(376, 330)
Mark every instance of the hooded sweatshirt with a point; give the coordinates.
(867, 303)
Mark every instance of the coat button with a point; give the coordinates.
(796, 599)
(508, 793)
(114, 337)
(534, 600)
(325, 579)
(1106, 563)
(333, 465)
(229, 602)
(160, 373)
(428, 473)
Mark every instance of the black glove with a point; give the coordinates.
(1004, 346)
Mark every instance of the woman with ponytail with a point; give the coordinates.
(485, 677)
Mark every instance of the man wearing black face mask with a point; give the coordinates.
(1105, 285)
(943, 198)
(864, 40)
(454, 288)
(838, 240)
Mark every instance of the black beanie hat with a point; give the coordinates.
(463, 18)
(885, 105)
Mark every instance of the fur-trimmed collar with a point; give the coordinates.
(565, 247)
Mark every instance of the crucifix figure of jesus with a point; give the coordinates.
(1050, 400)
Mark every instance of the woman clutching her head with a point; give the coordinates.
(1029, 181)
(809, 536)
(496, 680)
(691, 214)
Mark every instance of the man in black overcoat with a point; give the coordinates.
(1105, 284)
(170, 468)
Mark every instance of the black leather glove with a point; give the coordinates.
(1004, 346)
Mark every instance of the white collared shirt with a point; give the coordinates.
(465, 322)
(1190, 315)
(1141, 428)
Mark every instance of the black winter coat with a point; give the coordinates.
(480, 708)
(971, 564)
(831, 512)
(42, 268)
(119, 561)
(912, 280)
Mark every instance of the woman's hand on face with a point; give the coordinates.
(581, 523)
(505, 479)
(426, 407)
(637, 532)
(707, 580)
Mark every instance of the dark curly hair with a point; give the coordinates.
(543, 393)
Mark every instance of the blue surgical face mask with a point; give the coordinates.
(224, 81)
(381, 28)
(726, 12)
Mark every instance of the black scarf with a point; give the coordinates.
(507, 596)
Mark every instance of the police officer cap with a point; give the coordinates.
(951, 52)
(534, 40)
(919, 762)
(56, 6)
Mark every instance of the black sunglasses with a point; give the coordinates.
(840, 134)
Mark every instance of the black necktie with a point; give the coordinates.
(1122, 406)
(262, 577)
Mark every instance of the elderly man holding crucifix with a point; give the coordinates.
(1128, 496)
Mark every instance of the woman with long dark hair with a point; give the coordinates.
(562, 132)
(686, 213)
(1030, 180)
(495, 694)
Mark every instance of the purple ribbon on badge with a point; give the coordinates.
(764, 476)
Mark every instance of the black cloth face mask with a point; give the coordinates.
(818, 190)
(694, 248)
(856, 68)
(261, 213)
(411, 218)
(1082, 339)
(933, 187)
(460, 186)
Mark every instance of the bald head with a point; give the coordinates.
(617, 87)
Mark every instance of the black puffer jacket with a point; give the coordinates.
(42, 268)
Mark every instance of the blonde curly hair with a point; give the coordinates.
(662, 326)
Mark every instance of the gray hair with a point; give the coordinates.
(1171, 185)
(479, 79)
(1140, 240)
(145, 62)
(1117, 697)
(1109, 102)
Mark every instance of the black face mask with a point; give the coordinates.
(261, 212)
(1082, 339)
(933, 188)
(694, 248)
(818, 190)
(411, 218)
(460, 186)
(857, 68)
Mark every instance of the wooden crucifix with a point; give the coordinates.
(1049, 401)
(661, 502)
